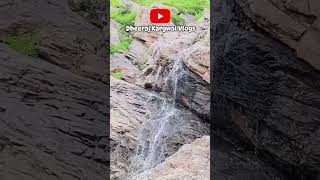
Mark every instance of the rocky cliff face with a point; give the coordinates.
(51, 121)
(63, 37)
(266, 87)
(53, 107)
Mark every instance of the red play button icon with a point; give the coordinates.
(160, 15)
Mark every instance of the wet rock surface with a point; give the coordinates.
(263, 94)
(51, 120)
(190, 90)
(180, 67)
(134, 113)
(191, 161)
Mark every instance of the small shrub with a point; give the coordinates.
(177, 20)
(25, 44)
(117, 74)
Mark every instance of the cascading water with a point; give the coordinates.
(165, 121)
(150, 151)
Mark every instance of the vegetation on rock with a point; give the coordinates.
(25, 44)
(122, 47)
(177, 20)
(117, 74)
(193, 7)
(122, 15)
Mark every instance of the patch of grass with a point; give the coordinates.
(177, 20)
(193, 7)
(125, 41)
(116, 3)
(146, 3)
(198, 16)
(122, 47)
(124, 16)
(25, 44)
(117, 74)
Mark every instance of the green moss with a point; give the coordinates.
(117, 74)
(25, 44)
(177, 20)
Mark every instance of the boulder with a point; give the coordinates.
(128, 112)
(120, 63)
(197, 59)
(191, 161)
(132, 6)
(143, 19)
(138, 53)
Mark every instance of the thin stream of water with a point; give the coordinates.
(164, 117)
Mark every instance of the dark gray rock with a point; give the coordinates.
(53, 122)
(233, 161)
(188, 89)
(92, 10)
(264, 95)
(64, 37)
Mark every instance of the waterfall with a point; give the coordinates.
(175, 74)
(164, 122)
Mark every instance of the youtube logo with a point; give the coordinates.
(160, 15)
